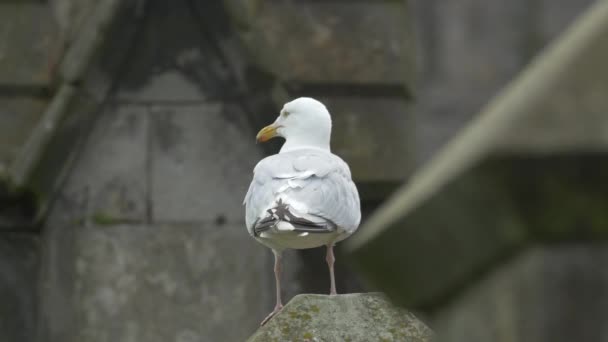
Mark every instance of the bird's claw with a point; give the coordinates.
(276, 310)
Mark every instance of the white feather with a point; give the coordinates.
(305, 175)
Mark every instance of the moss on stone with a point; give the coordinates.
(350, 317)
(104, 219)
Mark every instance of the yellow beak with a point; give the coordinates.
(267, 133)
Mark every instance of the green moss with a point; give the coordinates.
(5, 180)
(77, 221)
(298, 321)
(561, 197)
(103, 219)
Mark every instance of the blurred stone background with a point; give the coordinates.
(126, 143)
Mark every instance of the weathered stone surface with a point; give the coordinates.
(468, 51)
(363, 41)
(168, 283)
(24, 48)
(168, 86)
(371, 123)
(450, 229)
(37, 149)
(58, 320)
(38, 142)
(18, 117)
(53, 129)
(180, 54)
(85, 27)
(349, 317)
(548, 294)
(565, 109)
(553, 17)
(531, 185)
(202, 163)
(71, 15)
(110, 178)
(19, 266)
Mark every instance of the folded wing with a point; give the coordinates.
(311, 189)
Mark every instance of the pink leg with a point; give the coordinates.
(330, 263)
(277, 277)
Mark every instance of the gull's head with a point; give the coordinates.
(303, 122)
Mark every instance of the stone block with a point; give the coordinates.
(85, 26)
(350, 317)
(468, 51)
(532, 168)
(39, 150)
(110, 178)
(312, 41)
(167, 86)
(19, 267)
(71, 16)
(18, 117)
(28, 33)
(567, 110)
(475, 40)
(169, 283)
(58, 320)
(547, 294)
(372, 136)
(553, 17)
(169, 70)
(202, 163)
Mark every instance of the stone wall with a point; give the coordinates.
(502, 235)
(19, 265)
(146, 230)
(147, 219)
(151, 212)
(469, 50)
(24, 93)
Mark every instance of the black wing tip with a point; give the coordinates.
(281, 213)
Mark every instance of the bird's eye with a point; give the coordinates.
(285, 113)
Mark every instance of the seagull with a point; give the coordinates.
(304, 196)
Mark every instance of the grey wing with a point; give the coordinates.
(259, 196)
(314, 185)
